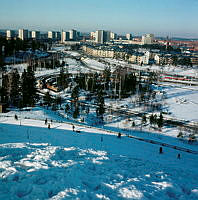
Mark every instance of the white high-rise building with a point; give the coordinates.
(35, 35)
(51, 35)
(23, 34)
(102, 36)
(64, 36)
(58, 36)
(113, 36)
(10, 34)
(73, 34)
(147, 39)
(129, 36)
(1, 79)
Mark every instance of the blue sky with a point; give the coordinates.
(161, 17)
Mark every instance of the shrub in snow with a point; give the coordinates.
(180, 135)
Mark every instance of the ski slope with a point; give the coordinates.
(57, 163)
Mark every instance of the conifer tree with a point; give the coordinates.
(67, 108)
(47, 99)
(144, 119)
(24, 88)
(15, 88)
(107, 76)
(151, 118)
(62, 79)
(160, 121)
(4, 90)
(100, 110)
(75, 106)
(29, 87)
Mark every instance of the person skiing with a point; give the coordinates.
(45, 121)
(73, 127)
(119, 135)
(48, 126)
(178, 156)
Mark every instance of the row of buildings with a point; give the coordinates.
(25, 34)
(102, 37)
(142, 56)
(99, 36)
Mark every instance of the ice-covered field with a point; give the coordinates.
(38, 163)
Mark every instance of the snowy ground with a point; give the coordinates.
(74, 67)
(182, 102)
(19, 67)
(38, 163)
(94, 64)
(72, 53)
(179, 70)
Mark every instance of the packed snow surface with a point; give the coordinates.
(57, 163)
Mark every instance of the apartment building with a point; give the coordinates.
(147, 39)
(23, 34)
(10, 34)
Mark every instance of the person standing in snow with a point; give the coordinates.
(16, 117)
(160, 150)
(119, 135)
(178, 156)
(48, 126)
(73, 127)
(46, 121)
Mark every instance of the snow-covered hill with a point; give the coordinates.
(57, 163)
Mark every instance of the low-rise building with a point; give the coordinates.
(194, 60)
(136, 58)
(163, 59)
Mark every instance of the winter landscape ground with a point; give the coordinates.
(92, 162)
(57, 163)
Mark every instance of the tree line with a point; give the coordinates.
(9, 47)
(19, 91)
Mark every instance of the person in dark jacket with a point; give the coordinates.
(160, 150)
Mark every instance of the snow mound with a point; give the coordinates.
(42, 171)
